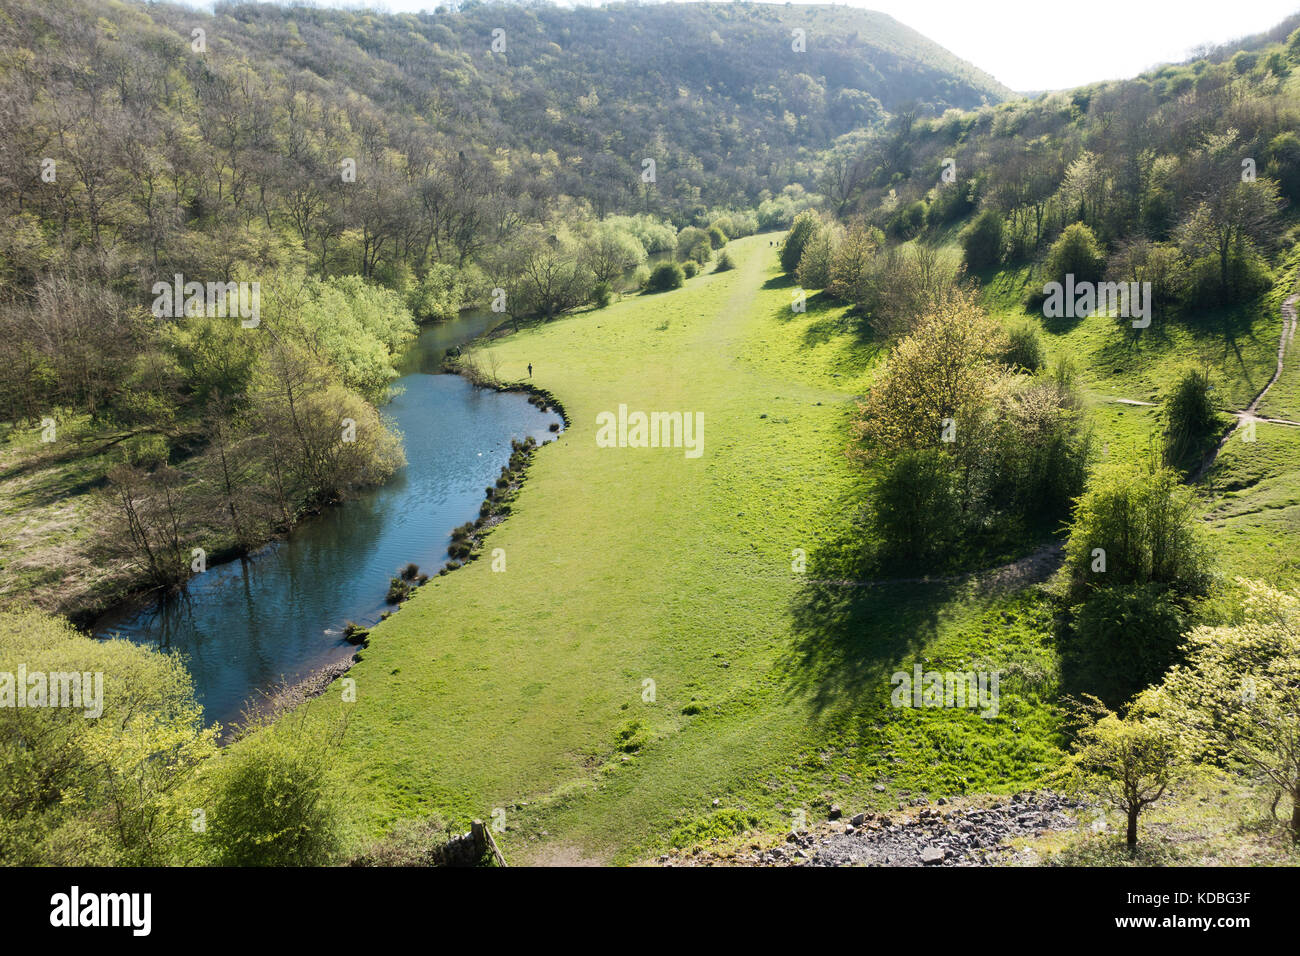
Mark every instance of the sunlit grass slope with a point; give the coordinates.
(526, 689)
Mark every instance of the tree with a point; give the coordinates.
(852, 262)
(1238, 693)
(1191, 422)
(945, 370)
(274, 801)
(814, 270)
(804, 227)
(1226, 223)
(981, 241)
(1134, 526)
(108, 790)
(666, 275)
(611, 253)
(1128, 761)
(1075, 253)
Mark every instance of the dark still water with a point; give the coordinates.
(245, 626)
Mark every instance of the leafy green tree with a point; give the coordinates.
(1130, 761)
(1238, 693)
(1191, 422)
(916, 507)
(665, 276)
(1076, 253)
(814, 270)
(981, 241)
(1137, 526)
(274, 802)
(804, 227)
(80, 788)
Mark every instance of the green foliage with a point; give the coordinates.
(1191, 422)
(274, 802)
(1123, 638)
(360, 327)
(814, 271)
(724, 262)
(981, 241)
(1238, 694)
(666, 275)
(440, 295)
(1136, 526)
(804, 227)
(916, 507)
(80, 788)
(694, 244)
(1075, 253)
(1024, 349)
(1130, 761)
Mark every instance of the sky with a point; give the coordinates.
(1033, 45)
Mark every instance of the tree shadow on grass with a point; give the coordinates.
(852, 632)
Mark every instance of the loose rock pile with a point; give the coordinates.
(921, 834)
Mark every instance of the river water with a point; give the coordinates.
(247, 625)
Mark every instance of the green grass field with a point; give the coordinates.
(524, 689)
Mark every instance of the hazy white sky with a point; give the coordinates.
(1049, 44)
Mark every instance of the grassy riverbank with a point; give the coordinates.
(524, 690)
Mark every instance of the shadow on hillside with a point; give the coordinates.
(851, 635)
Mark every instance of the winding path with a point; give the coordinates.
(1251, 412)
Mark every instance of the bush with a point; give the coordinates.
(690, 268)
(724, 262)
(805, 226)
(409, 843)
(981, 241)
(1076, 253)
(666, 275)
(1137, 526)
(1024, 349)
(273, 803)
(814, 270)
(717, 238)
(693, 243)
(1191, 423)
(601, 294)
(1125, 638)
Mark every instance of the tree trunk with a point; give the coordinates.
(1133, 827)
(1295, 818)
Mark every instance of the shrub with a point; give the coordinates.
(1191, 423)
(916, 509)
(1024, 349)
(666, 275)
(724, 262)
(1137, 526)
(803, 228)
(981, 241)
(274, 802)
(1076, 253)
(814, 270)
(717, 238)
(1124, 638)
(601, 294)
(690, 268)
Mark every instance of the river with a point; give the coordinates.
(248, 625)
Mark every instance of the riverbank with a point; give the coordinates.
(648, 647)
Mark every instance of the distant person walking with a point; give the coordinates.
(530, 369)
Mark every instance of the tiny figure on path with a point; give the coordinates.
(530, 369)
